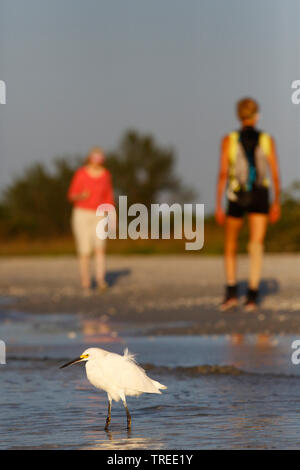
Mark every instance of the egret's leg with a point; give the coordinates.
(108, 419)
(127, 413)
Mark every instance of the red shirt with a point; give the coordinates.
(99, 188)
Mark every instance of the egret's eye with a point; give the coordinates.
(84, 356)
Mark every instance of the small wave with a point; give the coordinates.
(33, 359)
(188, 371)
(197, 370)
(205, 369)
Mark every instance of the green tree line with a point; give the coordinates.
(35, 203)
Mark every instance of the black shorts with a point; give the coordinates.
(258, 205)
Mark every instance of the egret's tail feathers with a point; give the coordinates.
(135, 380)
(129, 356)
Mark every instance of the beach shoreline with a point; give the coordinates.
(179, 294)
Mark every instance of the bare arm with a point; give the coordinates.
(222, 180)
(76, 191)
(274, 169)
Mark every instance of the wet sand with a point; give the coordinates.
(177, 294)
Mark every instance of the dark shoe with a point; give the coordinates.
(251, 300)
(230, 300)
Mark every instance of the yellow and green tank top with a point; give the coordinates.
(249, 150)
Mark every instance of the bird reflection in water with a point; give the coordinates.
(115, 441)
(110, 434)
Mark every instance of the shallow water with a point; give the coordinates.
(223, 391)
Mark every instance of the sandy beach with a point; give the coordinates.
(183, 291)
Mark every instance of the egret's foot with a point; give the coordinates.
(108, 419)
(107, 424)
(128, 421)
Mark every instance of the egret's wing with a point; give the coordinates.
(123, 373)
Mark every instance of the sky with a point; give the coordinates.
(80, 73)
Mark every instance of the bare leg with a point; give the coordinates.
(108, 419)
(100, 265)
(84, 261)
(232, 229)
(127, 413)
(258, 227)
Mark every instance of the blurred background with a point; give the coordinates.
(149, 82)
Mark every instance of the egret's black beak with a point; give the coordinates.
(78, 359)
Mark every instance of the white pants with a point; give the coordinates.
(84, 223)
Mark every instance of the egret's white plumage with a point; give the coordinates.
(119, 376)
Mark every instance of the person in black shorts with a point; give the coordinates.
(259, 205)
(247, 156)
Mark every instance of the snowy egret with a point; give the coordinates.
(119, 376)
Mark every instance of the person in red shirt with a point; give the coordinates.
(90, 187)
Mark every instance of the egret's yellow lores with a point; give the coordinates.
(119, 376)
